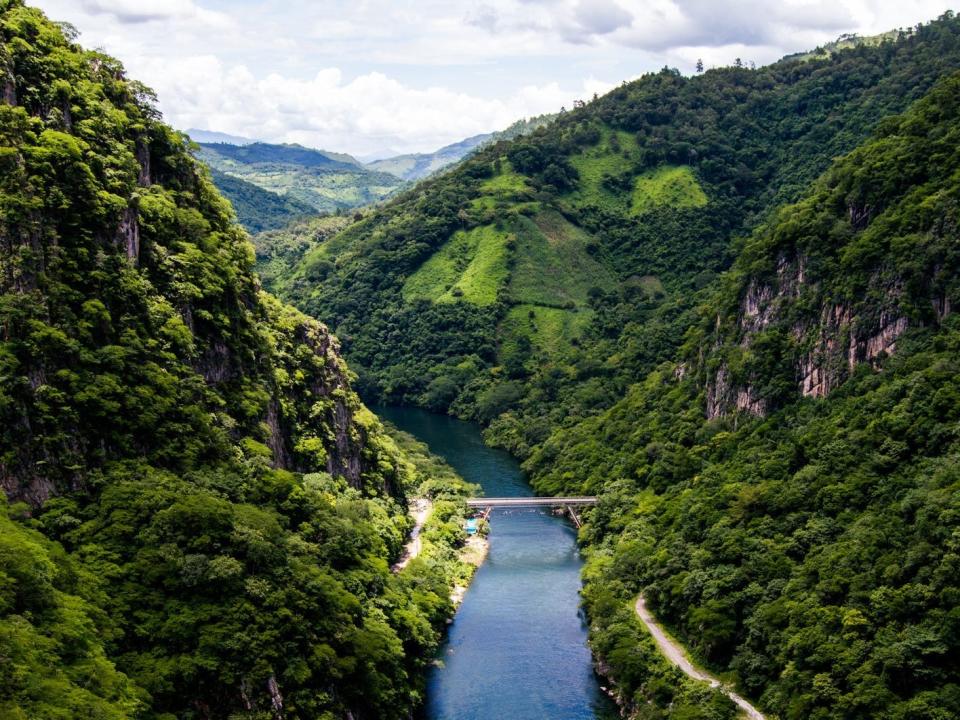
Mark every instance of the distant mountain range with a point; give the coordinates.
(272, 185)
(415, 166)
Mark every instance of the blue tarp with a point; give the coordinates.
(472, 526)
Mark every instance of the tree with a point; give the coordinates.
(699, 65)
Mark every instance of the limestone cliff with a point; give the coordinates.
(838, 280)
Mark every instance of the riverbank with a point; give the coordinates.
(420, 510)
(473, 553)
(517, 646)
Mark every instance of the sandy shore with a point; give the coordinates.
(474, 552)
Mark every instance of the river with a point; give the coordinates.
(517, 648)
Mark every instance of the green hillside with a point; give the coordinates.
(198, 514)
(301, 177)
(279, 250)
(723, 304)
(810, 552)
(605, 225)
(257, 209)
(763, 394)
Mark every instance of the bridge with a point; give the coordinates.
(569, 504)
(531, 502)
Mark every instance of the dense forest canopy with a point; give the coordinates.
(811, 552)
(201, 512)
(723, 304)
(677, 298)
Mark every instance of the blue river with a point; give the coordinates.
(517, 649)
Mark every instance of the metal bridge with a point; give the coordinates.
(531, 502)
(567, 504)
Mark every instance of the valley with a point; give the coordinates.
(247, 390)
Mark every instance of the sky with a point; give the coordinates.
(378, 77)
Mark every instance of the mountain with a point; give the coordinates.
(271, 186)
(538, 279)
(210, 136)
(420, 165)
(198, 513)
(722, 304)
(785, 494)
(258, 209)
(326, 182)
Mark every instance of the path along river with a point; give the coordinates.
(517, 648)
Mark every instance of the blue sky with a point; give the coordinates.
(369, 76)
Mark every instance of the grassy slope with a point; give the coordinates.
(667, 186)
(471, 266)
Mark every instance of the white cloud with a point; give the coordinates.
(142, 11)
(363, 75)
(360, 115)
(600, 17)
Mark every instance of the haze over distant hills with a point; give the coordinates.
(271, 185)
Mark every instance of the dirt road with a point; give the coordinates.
(420, 509)
(675, 654)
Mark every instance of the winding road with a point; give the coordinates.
(675, 654)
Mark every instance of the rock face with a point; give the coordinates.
(836, 281)
(827, 339)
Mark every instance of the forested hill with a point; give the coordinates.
(201, 512)
(679, 299)
(322, 181)
(531, 285)
(811, 552)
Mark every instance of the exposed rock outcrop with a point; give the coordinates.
(829, 338)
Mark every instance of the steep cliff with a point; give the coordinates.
(133, 323)
(835, 281)
(202, 513)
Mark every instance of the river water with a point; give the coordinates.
(517, 649)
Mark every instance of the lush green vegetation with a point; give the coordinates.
(667, 187)
(806, 554)
(810, 554)
(258, 209)
(641, 196)
(471, 265)
(202, 513)
(323, 182)
(278, 250)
